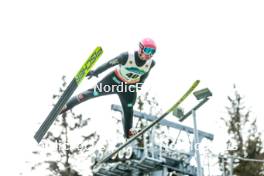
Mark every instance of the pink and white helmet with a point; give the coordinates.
(147, 47)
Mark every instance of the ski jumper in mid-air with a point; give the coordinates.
(133, 69)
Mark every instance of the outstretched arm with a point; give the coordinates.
(120, 59)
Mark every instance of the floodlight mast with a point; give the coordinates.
(202, 95)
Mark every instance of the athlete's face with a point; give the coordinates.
(145, 53)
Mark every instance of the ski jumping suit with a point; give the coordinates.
(131, 74)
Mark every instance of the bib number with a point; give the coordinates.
(132, 75)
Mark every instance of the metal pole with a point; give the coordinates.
(196, 139)
(231, 165)
(208, 165)
(223, 166)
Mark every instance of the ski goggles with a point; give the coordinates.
(147, 51)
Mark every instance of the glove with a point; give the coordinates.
(91, 74)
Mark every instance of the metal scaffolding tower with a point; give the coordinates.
(148, 158)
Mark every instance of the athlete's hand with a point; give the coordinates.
(91, 74)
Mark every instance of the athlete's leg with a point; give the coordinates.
(128, 100)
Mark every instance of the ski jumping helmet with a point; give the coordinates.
(147, 48)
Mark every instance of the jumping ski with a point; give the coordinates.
(187, 93)
(85, 69)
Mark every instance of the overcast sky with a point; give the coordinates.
(219, 42)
